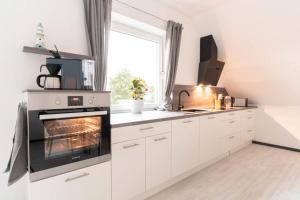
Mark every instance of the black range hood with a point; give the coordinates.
(210, 68)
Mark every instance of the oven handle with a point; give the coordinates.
(71, 115)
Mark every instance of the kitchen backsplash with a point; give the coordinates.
(199, 95)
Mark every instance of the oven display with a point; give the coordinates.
(75, 100)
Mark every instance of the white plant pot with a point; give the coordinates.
(137, 106)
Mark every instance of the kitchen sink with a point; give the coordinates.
(193, 110)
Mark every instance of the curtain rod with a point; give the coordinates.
(138, 9)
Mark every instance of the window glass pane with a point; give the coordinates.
(130, 56)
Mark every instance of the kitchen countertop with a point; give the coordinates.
(130, 119)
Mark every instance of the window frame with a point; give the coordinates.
(146, 35)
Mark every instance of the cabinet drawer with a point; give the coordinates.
(211, 118)
(93, 183)
(231, 126)
(210, 126)
(234, 140)
(155, 128)
(248, 121)
(139, 131)
(229, 115)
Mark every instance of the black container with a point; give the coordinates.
(72, 77)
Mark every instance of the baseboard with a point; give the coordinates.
(276, 146)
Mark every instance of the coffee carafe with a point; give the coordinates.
(51, 80)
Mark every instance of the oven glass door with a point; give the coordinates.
(62, 138)
(68, 136)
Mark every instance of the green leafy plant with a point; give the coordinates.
(138, 89)
(119, 86)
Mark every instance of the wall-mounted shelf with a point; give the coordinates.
(46, 52)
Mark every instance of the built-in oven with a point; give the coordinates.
(71, 133)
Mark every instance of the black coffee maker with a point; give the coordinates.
(76, 74)
(51, 80)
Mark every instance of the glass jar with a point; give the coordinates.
(227, 102)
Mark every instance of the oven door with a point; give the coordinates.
(58, 138)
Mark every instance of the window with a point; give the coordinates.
(134, 53)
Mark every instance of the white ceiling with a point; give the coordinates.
(191, 7)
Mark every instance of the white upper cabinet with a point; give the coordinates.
(158, 159)
(92, 183)
(128, 169)
(185, 145)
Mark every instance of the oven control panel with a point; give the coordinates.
(75, 100)
(67, 99)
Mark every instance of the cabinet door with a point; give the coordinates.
(232, 129)
(128, 169)
(158, 159)
(92, 183)
(185, 145)
(211, 138)
(247, 129)
(233, 141)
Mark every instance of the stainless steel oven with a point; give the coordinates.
(68, 130)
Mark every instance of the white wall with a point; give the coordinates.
(259, 40)
(64, 26)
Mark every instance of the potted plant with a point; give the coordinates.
(138, 91)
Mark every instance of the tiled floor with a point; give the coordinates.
(254, 173)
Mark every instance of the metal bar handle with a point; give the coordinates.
(130, 146)
(70, 115)
(160, 139)
(77, 177)
(231, 137)
(147, 128)
(249, 117)
(211, 118)
(188, 121)
(231, 122)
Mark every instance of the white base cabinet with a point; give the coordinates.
(92, 183)
(149, 155)
(232, 129)
(248, 125)
(158, 159)
(211, 138)
(128, 167)
(141, 158)
(185, 145)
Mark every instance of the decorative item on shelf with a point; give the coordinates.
(40, 37)
(139, 90)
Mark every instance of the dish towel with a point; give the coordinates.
(18, 162)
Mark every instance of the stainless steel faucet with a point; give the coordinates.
(180, 93)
